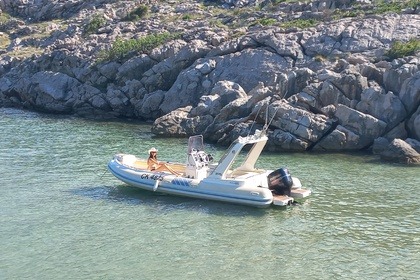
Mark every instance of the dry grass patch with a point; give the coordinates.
(4, 40)
(26, 52)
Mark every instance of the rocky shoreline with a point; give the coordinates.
(331, 86)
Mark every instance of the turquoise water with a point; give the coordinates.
(63, 216)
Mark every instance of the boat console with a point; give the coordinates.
(198, 160)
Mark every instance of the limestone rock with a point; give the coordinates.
(246, 68)
(399, 131)
(355, 131)
(380, 144)
(395, 77)
(340, 139)
(415, 144)
(179, 124)
(164, 74)
(399, 151)
(413, 125)
(53, 92)
(280, 140)
(332, 84)
(170, 124)
(150, 105)
(386, 107)
(134, 68)
(306, 126)
(222, 94)
(410, 93)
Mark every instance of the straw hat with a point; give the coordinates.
(153, 150)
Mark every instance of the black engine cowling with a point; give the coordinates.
(280, 181)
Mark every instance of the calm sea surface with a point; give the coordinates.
(63, 216)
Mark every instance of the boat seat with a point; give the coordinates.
(141, 165)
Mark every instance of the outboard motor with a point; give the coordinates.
(280, 181)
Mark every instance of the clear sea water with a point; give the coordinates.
(63, 216)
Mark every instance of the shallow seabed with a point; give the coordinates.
(63, 216)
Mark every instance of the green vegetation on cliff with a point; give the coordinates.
(401, 49)
(94, 24)
(122, 48)
(137, 13)
(394, 6)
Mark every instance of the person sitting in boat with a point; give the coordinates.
(154, 165)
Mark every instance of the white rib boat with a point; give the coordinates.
(200, 178)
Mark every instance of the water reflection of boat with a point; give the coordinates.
(201, 178)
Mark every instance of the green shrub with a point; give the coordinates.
(94, 24)
(276, 2)
(123, 48)
(4, 17)
(346, 14)
(4, 40)
(138, 13)
(388, 7)
(394, 6)
(300, 23)
(187, 17)
(217, 23)
(401, 49)
(266, 21)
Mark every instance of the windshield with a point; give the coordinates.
(195, 143)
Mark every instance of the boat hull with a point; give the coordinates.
(228, 191)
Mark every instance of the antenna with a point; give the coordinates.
(265, 128)
(275, 113)
(266, 116)
(250, 129)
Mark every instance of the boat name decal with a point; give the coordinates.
(152, 176)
